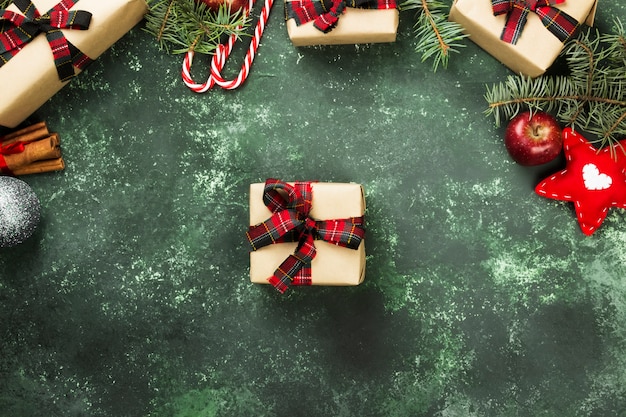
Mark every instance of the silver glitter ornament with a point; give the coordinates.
(19, 211)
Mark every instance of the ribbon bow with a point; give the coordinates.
(11, 149)
(290, 222)
(559, 23)
(325, 13)
(17, 30)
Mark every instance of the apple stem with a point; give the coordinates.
(536, 130)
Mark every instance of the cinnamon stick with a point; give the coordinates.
(56, 139)
(40, 167)
(34, 151)
(28, 134)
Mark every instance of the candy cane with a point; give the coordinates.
(221, 55)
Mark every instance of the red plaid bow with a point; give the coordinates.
(290, 222)
(17, 30)
(325, 13)
(559, 23)
(12, 149)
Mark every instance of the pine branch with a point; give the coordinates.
(180, 26)
(591, 98)
(4, 4)
(436, 36)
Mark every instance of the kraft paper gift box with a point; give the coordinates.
(355, 25)
(537, 48)
(30, 77)
(333, 265)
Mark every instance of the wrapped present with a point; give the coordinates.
(525, 35)
(306, 233)
(44, 43)
(332, 22)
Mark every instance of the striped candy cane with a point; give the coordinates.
(221, 55)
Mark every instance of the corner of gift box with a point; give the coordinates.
(336, 22)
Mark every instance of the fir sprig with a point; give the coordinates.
(437, 37)
(590, 98)
(4, 4)
(186, 25)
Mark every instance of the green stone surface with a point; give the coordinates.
(132, 298)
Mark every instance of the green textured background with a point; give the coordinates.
(133, 299)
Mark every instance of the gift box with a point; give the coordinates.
(30, 76)
(539, 43)
(333, 22)
(336, 212)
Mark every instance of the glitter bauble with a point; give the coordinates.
(19, 211)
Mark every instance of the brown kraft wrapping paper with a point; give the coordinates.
(537, 48)
(354, 26)
(30, 78)
(333, 265)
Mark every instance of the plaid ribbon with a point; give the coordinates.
(17, 30)
(325, 13)
(12, 149)
(290, 222)
(559, 23)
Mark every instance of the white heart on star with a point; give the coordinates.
(594, 180)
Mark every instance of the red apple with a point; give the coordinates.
(533, 138)
(234, 4)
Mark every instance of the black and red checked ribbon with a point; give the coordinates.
(290, 222)
(325, 13)
(559, 23)
(17, 30)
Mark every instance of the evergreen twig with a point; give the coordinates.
(4, 4)
(591, 97)
(437, 37)
(180, 26)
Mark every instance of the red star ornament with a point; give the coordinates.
(593, 180)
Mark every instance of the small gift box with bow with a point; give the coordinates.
(306, 233)
(44, 43)
(525, 35)
(333, 22)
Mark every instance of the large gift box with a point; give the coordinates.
(290, 223)
(31, 72)
(535, 29)
(333, 22)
